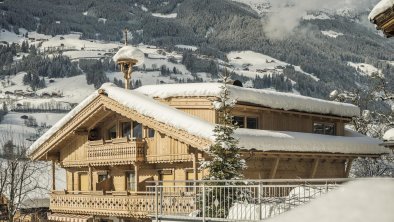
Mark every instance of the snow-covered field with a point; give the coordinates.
(365, 69)
(331, 33)
(250, 64)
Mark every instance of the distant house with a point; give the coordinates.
(116, 140)
(33, 210)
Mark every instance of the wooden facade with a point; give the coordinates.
(110, 152)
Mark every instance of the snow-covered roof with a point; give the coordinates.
(379, 8)
(389, 135)
(267, 140)
(267, 98)
(363, 200)
(263, 140)
(129, 52)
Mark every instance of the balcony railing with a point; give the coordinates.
(122, 205)
(117, 151)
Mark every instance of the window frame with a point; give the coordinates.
(324, 125)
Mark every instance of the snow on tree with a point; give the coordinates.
(225, 161)
(377, 116)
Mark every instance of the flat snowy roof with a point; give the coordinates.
(267, 98)
(262, 140)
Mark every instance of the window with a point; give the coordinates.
(324, 128)
(189, 178)
(112, 132)
(137, 130)
(251, 122)
(102, 177)
(130, 181)
(151, 133)
(126, 129)
(239, 121)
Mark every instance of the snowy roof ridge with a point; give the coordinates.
(272, 99)
(379, 8)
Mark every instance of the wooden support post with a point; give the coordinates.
(274, 168)
(348, 166)
(90, 178)
(314, 167)
(72, 180)
(53, 175)
(136, 175)
(195, 170)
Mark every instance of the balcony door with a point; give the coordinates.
(83, 182)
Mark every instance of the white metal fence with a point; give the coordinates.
(246, 200)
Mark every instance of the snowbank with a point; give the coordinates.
(389, 135)
(359, 201)
(276, 100)
(380, 8)
(130, 52)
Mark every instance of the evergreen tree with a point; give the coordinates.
(225, 160)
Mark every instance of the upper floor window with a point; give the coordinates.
(251, 122)
(151, 133)
(137, 130)
(246, 122)
(239, 121)
(112, 132)
(324, 128)
(126, 129)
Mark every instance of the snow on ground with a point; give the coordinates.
(143, 8)
(389, 135)
(190, 47)
(331, 33)
(259, 6)
(84, 54)
(365, 69)
(362, 200)
(160, 15)
(320, 16)
(73, 41)
(74, 89)
(103, 20)
(250, 64)
(10, 37)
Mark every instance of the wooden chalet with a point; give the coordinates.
(117, 140)
(382, 15)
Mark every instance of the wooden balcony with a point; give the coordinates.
(95, 203)
(115, 152)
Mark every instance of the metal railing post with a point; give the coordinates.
(157, 202)
(260, 211)
(203, 202)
